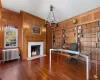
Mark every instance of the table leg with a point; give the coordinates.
(87, 68)
(50, 55)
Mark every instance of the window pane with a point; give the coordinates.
(11, 36)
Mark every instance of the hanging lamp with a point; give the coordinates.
(51, 20)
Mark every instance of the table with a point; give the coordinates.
(77, 53)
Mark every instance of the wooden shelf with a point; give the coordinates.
(90, 33)
(97, 42)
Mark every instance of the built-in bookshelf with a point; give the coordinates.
(57, 38)
(63, 36)
(87, 38)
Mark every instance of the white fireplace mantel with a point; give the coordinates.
(35, 43)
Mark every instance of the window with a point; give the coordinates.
(10, 36)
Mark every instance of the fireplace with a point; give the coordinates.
(35, 50)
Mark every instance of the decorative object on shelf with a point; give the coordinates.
(74, 29)
(36, 30)
(54, 39)
(74, 21)
(99, 25)
(79, 29)
(64, 37)
(75, 34)
(98, 34)
(79, 35)
(51, 20)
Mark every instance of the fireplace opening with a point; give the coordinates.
(35, 50)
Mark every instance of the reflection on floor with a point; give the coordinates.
(41, 69)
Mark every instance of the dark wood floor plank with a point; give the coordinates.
(41, 69)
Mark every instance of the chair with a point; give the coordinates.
(73, 47)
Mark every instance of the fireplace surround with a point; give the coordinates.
(35, 49)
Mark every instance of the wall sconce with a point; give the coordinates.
(26, 26)
(43, 29)
(1, 28)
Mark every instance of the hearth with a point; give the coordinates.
(35, 50)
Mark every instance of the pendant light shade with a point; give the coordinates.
(51, 20)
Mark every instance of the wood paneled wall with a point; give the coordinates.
(8, 17)
(0, 4)
(28, 21)
(24, 21)
(49, 39)
(86, 20)
(20, 20)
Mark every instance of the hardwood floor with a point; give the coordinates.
(40, 69)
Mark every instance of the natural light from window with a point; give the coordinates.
(10, 36)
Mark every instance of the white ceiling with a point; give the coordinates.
(64, 9)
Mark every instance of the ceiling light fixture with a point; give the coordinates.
(51, 20)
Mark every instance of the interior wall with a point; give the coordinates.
(20, 20)
(49, 39)
(28, 21)
(23, 19)
(87, 20)
(8, 17)
(0, 4)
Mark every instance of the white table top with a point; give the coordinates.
(64, 50)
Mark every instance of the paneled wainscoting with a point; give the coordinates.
(41, 69)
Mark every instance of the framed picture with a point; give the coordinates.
(36, 30)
